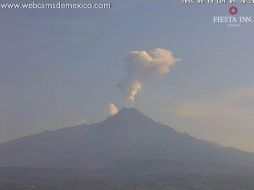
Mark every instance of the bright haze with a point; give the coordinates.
(190, 73)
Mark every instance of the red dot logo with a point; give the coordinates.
(233, 10)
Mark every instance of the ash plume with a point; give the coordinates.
(112, 109)
(142, 66)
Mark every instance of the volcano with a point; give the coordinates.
(127, 140)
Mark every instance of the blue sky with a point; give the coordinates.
(60, 66)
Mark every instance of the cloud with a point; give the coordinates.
(142, 66)
(234, 104)
(226, 118)
(112, 109)
(247, 93)
(212, 109)
(80, 121)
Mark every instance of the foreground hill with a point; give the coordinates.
(65, 179)
(127, 141)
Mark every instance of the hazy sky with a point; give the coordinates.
(61, 67)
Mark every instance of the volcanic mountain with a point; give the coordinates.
(127, 140)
